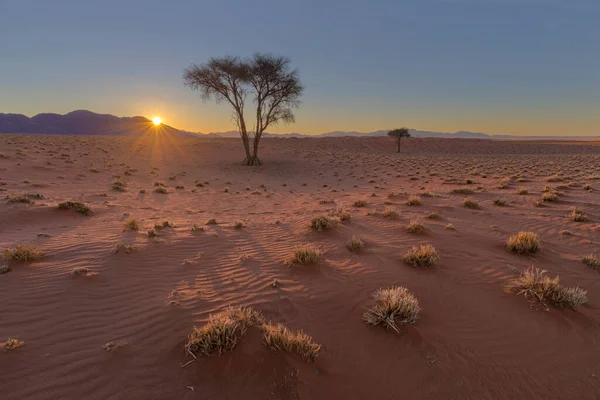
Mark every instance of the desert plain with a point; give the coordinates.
(105, 309)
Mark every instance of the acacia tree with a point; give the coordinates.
(398, 134)
(273, 84)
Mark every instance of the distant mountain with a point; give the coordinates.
(81, 122)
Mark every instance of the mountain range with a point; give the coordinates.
(83, 122)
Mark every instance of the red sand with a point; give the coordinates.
(473, 340)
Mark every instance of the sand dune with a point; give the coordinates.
(119, 330)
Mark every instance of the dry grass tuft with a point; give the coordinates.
(13, 344)
(78, 206)
(470, 203)
(591, 261)
(211, 221)
(165, 224)
(131, 225)
(433, 215)
(524, 242)
(394, 306)
(576, 215)
(22, 252)
(344, 215)
(390, 213)
(239, 224)
(305, 254)
(423, 255)
(161, 190)
(522, 191)
(280, 338)
(414, 200)
(415, 227)
(550, 197)
(79, 271)
(500, 201)
(355, 244)
(360, 203)
(119, 185)
(536, 285)
(322, 222)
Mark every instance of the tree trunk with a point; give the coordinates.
(246, 148)
(398, 145)
(254, 160)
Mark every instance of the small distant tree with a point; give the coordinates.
(273, 84)
(398, 135)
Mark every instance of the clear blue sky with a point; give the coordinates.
(498, 66)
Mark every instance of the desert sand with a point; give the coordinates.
(118, 330)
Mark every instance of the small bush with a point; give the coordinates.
(433, 215)
(279, 338)
(196, 228)
(394, 306)
(131, 225)
(322, 223)
(344, 215)
(355, 244)
(390, 213)
(576, 215)
(536, 285)
(22, 252)
(587, 187)
(414, 200)
(211, 221)
(305, 254)
(161, 190)
(500, 201)
(470, 203)
(524, 242)
(152, 233)
(119, 184)
(360, 203)
(503, 183)
(415, 227)
(421, 256)
(78, 206)
(13, 344)
(591, 261)
(550, 197)
(522, 191)
(238, 224)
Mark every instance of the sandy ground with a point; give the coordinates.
(473, 340)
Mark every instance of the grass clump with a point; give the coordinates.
(239, 224)
(390, 213)
(22, 252)
(131, 225)
(470, 203)
(537, 286)
(13, 344)
(360, 203)
(414, 200)
(394, 306)
(415, 227)
(79, 271)
(161, 190)
(152, 233)
(522, 191)
(576, 215)
(119, 185)
(211, 221)
(322, 223)
(355, 244)
(550, 197)
(305, 254)
(591, 261)
(280, 338)
(503, 183)
(423, 255)
(500, 201)
(433, 215)
(344, 215)
(78, 206)
(523, 243)
(196, 228)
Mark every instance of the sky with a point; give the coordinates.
(523, 67)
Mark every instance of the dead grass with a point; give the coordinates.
(13, 344)
(344, 215)
(576, 215)
(239, 224)
(523, 243)
(535, 285)
(360, 203)
(119, 185)
(550, 197)
(305, 254)
(322, 222)
(280, 338)
(79, 271)
(470, 203)
(131, 225)
(78, 206)
(415, 227)
(591, 261)
(522, 191)
(22, 252)
(390, 213)
(423, 255)
(500, 201)
(355, 244)
(414, 200)
(433, 215)
(394, 306)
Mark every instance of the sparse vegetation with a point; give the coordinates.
(355, 244)
(468, 202)
(576, 215)
(211, 221)
(13, 344)
(119, 185)
(305, 254)
(591, 261)
(423, 255)
(522, 191)
(500, 201)
(78, 206)
(79, 271)
(394, 306)
(360, 203)
(239, 224)
(523, 243)
(196, 228)
(322, 222)
(390, 213)
(280, 338)
(344, 215)
(414, 200)
(161, 190)
(550, 197)
(537, 286)
(131, 225)
(415, 227)
(22, 252)
(164, 224)
(433, 215)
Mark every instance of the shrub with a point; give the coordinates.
(196, 228)
(278, 338)
(536, 285)
(305, 254)
(415, 227)
(22, 252)
(360, 203)
(211, 221)
(433, 215)
(414, 200)
(238, 224)
(131, 225)
(390, 213)
(344, 215)
(550, 197)
(500, 201)
(503, 183)
(587, 187)
(522, 190)
(78, 206)
(355, 244)
(576, 215)
(322, 223)
(79, 271)
(161, 190)
(524, 242)
(470, 203)
(13, 344)
(394, 306)
(152, 233)
(421, 256)
(555, 178)
(591, 261)
(119, 184)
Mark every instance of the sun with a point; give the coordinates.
(157, 121)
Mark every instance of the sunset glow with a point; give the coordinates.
(157, 121)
